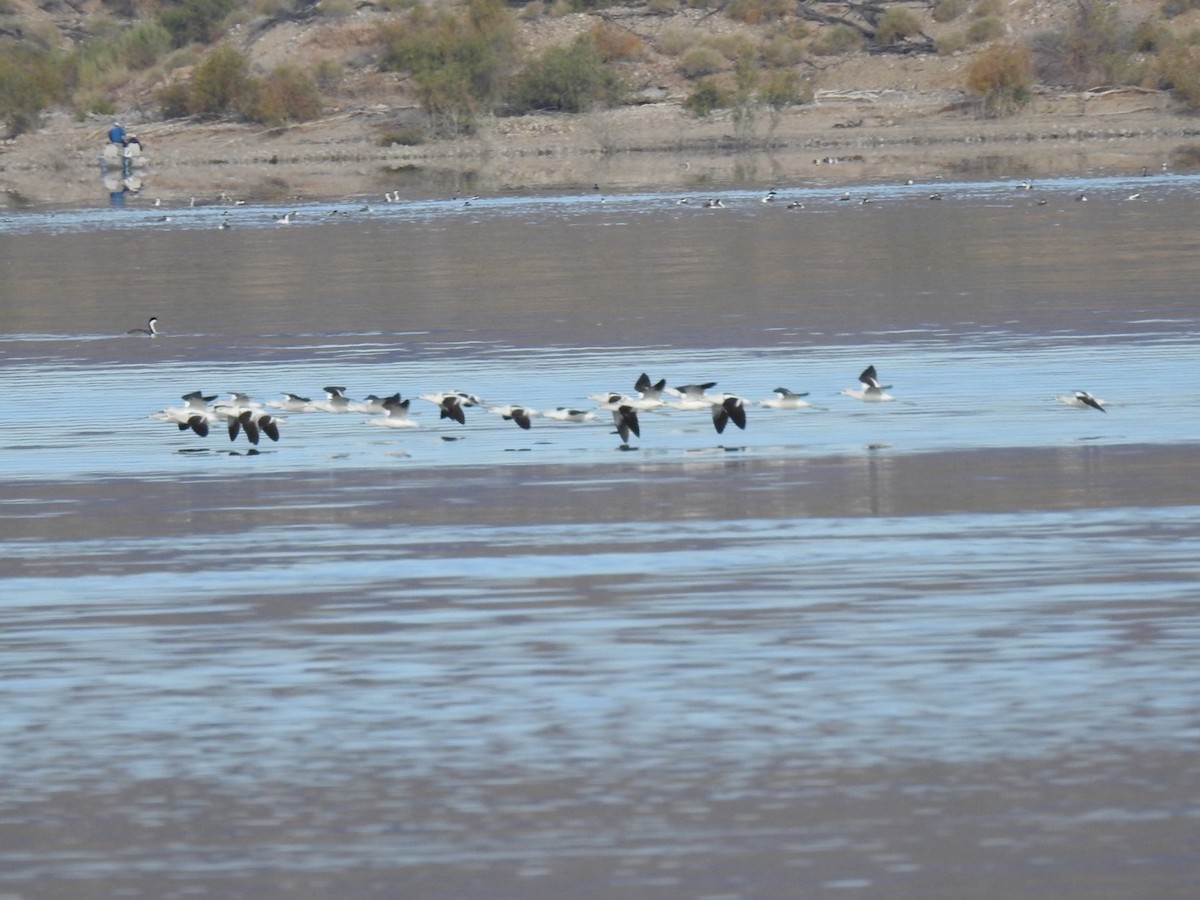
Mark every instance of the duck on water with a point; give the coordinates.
(151, 328)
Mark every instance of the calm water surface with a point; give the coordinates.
(940, 647)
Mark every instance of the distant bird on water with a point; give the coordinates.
(1082, 400)
(150, 329)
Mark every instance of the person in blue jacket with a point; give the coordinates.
(116, 134)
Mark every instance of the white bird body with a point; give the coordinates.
(785, 399)
(871, 391)
(395, 414)
(1083, 400)
(512, 413)
(567, 414)
(244, 415)
(335, 401)
(292, 403)
(452, 403)
(194, 414)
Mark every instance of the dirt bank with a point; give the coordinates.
(843, 137)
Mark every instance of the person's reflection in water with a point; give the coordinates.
(117, 187)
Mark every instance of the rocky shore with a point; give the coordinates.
(843, 137)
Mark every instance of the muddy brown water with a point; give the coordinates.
(944, 646)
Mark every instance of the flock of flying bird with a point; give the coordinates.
(242, 415)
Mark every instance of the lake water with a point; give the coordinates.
(942, 647)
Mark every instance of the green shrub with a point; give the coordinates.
(951, 42)
(949, 10)
(1002, 78)
(836, 40)
(1092, 48)
(701, 61)
(570, 78)
(705, 98)
(1151, 37)
(143, 45)
(985, 29)
(781, 51)
(172, 100)
(30, 80)
(221, 85)
(287, 94)
(675, 41)
(402, 137)
(194, 21)
(783, 88)
(457, 59)
(1179, 71)
(895, 24)
(328, 72)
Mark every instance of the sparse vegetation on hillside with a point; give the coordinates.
(460, 60)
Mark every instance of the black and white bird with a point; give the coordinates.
(194, 414)
(243, 415)
(151, 328)
(692, 396)
(569, 414)
(785, 399)
(521, 415)
(451, 404)
(292, 403)
(395, 414)
(335, 401)
(871, 391)
(729, 409)
(625, 418)
(1083, 400)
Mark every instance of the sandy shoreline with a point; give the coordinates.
(858, 137)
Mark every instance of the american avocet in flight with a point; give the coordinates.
(567, 414)
(693, 396)
(648, 389)
(452, 403)
(624, 415)
(871, 391)
(194, 414)
(1082, 400)
(785, 399)
(291, 403)
(519, 414)
(395, 414)
(335, 401)
(729, 409)
(150, 329)
(244, 415)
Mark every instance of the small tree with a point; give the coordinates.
(705, 98)
(458, 60)
(30, 80)
(1092, 44)
(1002, 78)
(1179, 70)
(568, 78)
(287, 94)
(221, 85)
